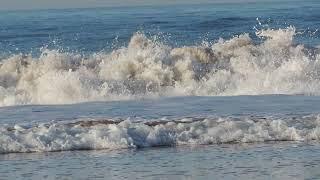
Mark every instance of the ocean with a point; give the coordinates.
(186, 91)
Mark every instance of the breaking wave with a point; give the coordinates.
(116, 134)
(147, 67)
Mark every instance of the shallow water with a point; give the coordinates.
(247, 161)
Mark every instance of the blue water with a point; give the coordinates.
(93, 30)
(161, 92)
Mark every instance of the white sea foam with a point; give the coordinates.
(147, 67)
(93, 135)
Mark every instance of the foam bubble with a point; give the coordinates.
(148, 68)
(106, 134)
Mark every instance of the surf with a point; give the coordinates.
(147, 67)
(112, 134)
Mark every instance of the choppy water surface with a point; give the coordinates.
(186, 92)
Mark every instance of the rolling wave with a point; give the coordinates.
(111, 134)
(148, 68)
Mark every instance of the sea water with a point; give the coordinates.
(202, 91)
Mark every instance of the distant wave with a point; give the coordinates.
(148, 67)
(110, 134)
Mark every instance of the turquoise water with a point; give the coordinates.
(207, 91)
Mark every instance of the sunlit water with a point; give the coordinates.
(156, 93)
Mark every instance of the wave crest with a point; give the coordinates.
(148, 67)
(108, 134)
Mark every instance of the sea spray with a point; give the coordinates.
(148, 68)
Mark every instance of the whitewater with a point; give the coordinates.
(192, 91)
(149, 68)
(106, 134)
